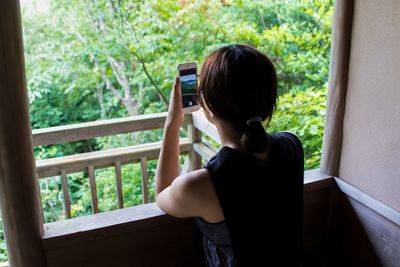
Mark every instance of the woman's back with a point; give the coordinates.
(262, 203)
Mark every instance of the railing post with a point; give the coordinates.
(19, 186)
(64, 184)
(194, 137)
(118, 181)
(93, 188)
(145, 182)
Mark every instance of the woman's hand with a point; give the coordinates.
(175, 111)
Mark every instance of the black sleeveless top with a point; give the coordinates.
(262, 202)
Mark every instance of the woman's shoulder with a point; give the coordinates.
(287, 135)
(222, 156)
(288, 141)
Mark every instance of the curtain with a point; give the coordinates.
(337, 86)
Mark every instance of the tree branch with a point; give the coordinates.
(118, 69)
(113, 8)
(99, 93)
(143, 63)
(107, 81)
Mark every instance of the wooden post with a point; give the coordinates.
(19, 186)
(145, 182)
(93, 188)
(64, 184)
(194, 158)
(118, 182)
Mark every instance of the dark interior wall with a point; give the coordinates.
(360, 236)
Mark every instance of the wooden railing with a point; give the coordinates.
(89, 162)
(111, 238)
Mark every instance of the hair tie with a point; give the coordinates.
(253, 120)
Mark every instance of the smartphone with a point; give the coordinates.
(188, 77)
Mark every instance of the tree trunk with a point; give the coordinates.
(131, 107)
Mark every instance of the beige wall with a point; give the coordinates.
(370, 157)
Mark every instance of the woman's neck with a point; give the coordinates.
(228, 135)
(231, 138)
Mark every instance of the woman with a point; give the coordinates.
(248, 199)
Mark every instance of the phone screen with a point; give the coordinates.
(188, 79)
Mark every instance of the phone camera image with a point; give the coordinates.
(188, 79)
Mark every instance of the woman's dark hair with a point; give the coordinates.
(238, 83)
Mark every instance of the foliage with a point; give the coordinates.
(3, 250)
(89, 60)
(302, 113)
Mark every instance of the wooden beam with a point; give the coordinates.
(204, 151)
(156, 239)
(315, 179)
(102, 159)
(194, 135)
(59, 229)
(200, 122)
(185, 166)
(337, 86)
(136, 236)
(88, 130)
(211, 146)
(19, 188)
(367, 200)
